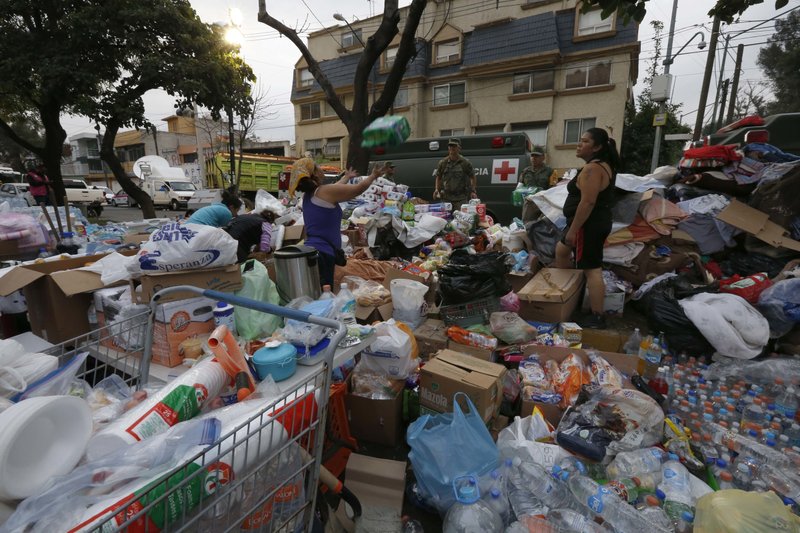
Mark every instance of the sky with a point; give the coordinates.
(272, 57)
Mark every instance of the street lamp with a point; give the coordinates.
(667, 63)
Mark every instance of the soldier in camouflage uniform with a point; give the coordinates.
(455, 177)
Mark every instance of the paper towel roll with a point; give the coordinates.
(235, 456)
(179, 400)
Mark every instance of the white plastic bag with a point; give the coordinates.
(19, 368)
(177, 246)
(390, 352)
(408, 297)
(511, 328)
(266, 202)
(517, 440)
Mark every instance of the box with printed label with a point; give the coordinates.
(223, 279)
(451, 372)
(180, 329)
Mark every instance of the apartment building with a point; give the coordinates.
(538, 66)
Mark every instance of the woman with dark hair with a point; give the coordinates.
(322, 214)
(588, 211)
(218, 214)
(251, 230)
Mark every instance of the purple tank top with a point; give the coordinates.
(323, 226)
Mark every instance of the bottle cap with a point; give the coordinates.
(652, 501)
(660, 494)
(726, 476)
(686, 516)
(495, 493)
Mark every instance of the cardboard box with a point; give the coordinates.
(379, 421)
(604, 340)
(370, 314)
(484, 354)
(57, 295)
(451, 372)
(431, 337)
(757, 224)
(294, 233)
(379, 484)
(571, 332)
(357, 237)
(9, 249)
(224, 279)
(626, 364)
(135, 238)
(552, 295)
(613, 304)
(517, 281)
(177, 322)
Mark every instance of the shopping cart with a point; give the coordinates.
(260, 475)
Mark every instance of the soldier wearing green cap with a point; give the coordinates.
(455, 177)
(538, 174)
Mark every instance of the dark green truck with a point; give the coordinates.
(498, 160)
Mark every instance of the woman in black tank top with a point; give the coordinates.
(588, 211)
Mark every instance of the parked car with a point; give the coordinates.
(108, 193)
(17, 190)
(79, 192)
(121, 199)
(778, 130)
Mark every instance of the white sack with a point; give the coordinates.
(730, 324)
(176, 246)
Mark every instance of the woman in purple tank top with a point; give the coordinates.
(321, 211)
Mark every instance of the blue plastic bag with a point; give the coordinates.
(780, 305)
(447, 446)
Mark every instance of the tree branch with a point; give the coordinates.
(313, 65)
(11, 134)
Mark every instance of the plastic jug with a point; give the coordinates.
(470, 513)
(223, 316)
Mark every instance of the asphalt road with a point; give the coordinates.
(131, 214)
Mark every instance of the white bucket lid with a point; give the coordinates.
(41, 438)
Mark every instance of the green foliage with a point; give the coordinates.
(780, 61)
(726, 10)
(638, 137)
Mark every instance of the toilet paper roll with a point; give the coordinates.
(179, 400)
(234, 457)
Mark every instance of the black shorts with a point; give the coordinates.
(589, 242)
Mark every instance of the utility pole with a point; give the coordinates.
(720, 81)
(667, 63)
(724, 99)
(735, 86)
(701, 106)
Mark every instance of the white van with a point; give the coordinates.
(174, 193)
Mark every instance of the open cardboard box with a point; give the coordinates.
(224, 279)
(379, 484)
(757, 224)
(294, 234)
(626, 364)
(58, 295)
(552, 295)
(375, 420)
(367, 314)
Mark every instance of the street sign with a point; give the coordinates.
(660, 119)
(678, 137)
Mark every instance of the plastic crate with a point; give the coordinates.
(470, 313)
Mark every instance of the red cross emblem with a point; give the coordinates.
(504, 171)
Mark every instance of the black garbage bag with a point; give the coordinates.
(469, 277)
(543, 235)
(747, 264)
(664, 313)
(388, 246)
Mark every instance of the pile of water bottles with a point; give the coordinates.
(719, 435)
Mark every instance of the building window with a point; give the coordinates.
(401, 98)
(592, 22)
(492, 128)
(309, 111)
(452, 133)
(537, 132)
(327, 109)
(530, 82)
(574, 128)
(388, 58)
(333, 147)
(306, 78)
(351, 38)
(448, 51)
(588, 75)
(314, 147)
(451, 93)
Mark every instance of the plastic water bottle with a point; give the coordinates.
(630, 464)
(752, 416)
(725, 480)
(742, 477)
(541, 484)
(794, 434)
(498, 501)
(470, 513)
(656, 515)
(606, 505)
(223, 316)
(346, 304)
(786, 404)
(632, 346)
(626, 488)
(43, 253)
(326, 293)
(675, 491)
(574, 521)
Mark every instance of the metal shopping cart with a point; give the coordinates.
(260, 475)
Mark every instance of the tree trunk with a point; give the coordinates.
(108, 155)
(357, 157)
(54, 146)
